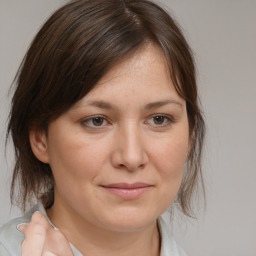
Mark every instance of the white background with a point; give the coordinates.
(223, 36)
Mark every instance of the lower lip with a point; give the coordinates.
(128, 193)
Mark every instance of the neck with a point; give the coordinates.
(92, 240)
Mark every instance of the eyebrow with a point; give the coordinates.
(152, 105)
(100, 104)
(158, 104)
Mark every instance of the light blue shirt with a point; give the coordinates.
(11, 238)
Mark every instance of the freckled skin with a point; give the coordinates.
(128, 147)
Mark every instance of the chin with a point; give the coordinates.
(130, 220)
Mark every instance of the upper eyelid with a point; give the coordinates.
(161, 114)
(150, 116)
(170, 117)
(94, 116)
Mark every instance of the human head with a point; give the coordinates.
(74, 49)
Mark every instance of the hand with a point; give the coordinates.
(42, 240)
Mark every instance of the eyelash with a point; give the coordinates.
(168, 120)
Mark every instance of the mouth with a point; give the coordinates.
(127, 191)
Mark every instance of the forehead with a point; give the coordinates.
(142, 76)
(147, 58)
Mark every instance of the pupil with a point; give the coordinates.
(97, 121)
(159, 119)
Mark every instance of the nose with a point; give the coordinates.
(130, 152)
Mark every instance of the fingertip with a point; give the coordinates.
(39, 220)
(37, 214)
(38, 217)
(22, 227)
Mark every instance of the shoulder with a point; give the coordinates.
(10, 237)
(169, 247)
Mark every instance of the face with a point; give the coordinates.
(118, 154)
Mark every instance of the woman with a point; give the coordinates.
(104, 119)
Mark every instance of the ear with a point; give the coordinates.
(38, 143)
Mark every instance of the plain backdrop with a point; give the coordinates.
(222, 34)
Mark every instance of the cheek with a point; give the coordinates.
(172, 155)
(169, 161)
(74, 164)
(74, 157)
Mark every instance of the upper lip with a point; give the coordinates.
(127, 185)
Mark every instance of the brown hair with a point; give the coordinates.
(78, 44)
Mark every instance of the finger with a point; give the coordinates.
(57, 244)
(48, 254)
(35, 233)
(22, 227)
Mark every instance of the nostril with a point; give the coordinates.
(130, 167)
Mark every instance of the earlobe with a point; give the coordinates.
(38, 143)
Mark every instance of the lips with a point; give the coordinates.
(127, 185)
(127, 191)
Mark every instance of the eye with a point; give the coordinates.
(160, 120)
(95, 122)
